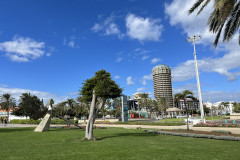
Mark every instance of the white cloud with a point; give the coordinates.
(141, 89)
(119, 59)
(3, 85)
(130, 81)
(140, 52)
(143, 29)
(112, 29)
(155, 60)
(116, 77)
(71, 42)
(145, 57)
(97, 27)
(22, 49)
(17, 92)
(108, 27)
(145, 78)
(194, 25)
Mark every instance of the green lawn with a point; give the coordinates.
(215, 117)
(172, 120)
(112, 143)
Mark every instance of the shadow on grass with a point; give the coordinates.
(127, 135)
(31, 129)
(6, 130)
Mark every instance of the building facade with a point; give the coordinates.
(162, 82)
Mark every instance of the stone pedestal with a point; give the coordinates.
(44, 125)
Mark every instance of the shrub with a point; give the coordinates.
(221, 131)
(201, 124)
(25, 121)
(31, 121)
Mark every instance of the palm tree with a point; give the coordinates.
(7, 102)
(226, 12)
(108, 103)
(162, 105)
(177, 98)
(71, 103)
(184, 95)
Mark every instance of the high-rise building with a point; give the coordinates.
(162, 82)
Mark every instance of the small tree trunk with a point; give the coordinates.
(91, 119)
(8, 116)
(187, 121)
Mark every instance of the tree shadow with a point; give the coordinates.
(22, 129)
(127, 135)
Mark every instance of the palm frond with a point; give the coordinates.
(233, 23)
(239, 38)
(203, 6)
(195, 6)
(218, 35)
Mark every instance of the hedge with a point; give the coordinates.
(31, 121)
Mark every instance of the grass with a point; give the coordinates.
(112, 143)
(215, 117)
(172, 120)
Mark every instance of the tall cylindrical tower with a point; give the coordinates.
(162, 82)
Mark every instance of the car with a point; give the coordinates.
(158, 118)
(193, 120)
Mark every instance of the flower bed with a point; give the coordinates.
(201, 124)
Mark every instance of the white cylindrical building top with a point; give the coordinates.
(162, 68)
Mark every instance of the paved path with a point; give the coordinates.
(17, 125)
(208, 129)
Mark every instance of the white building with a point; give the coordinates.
(224, 109)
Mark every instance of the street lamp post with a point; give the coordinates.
(193, 39)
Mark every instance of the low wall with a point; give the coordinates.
(235, 116)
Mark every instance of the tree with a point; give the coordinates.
(143, 101)
(223, 106)
(206, 110)
(97, 90)
(7, 102)
(226, 13)
(70, 103)
(236, 107)
(60, 110)
(30, 105)
(184, 95)
(177, 98)
(161, 105)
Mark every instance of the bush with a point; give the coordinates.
(201, 124)
(31, 121)
(221, 131)
(25, 121)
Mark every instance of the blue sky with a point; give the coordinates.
(48, 48)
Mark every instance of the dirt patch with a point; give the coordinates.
(204, 132)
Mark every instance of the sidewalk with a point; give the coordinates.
(17, 125)
(208, 129)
